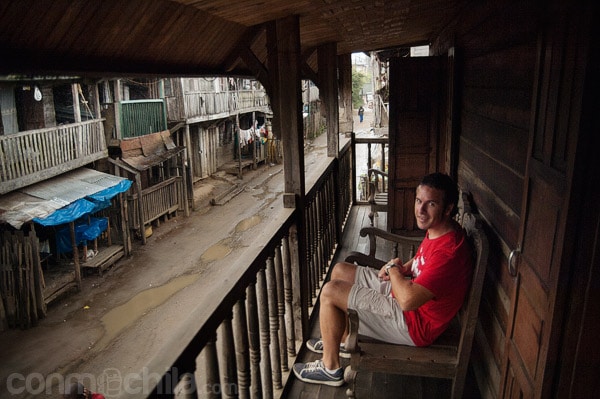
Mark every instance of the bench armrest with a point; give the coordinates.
(401, 245)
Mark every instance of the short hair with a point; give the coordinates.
(445, 183)
(75, 391)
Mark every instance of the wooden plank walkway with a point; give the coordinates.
(370, 385)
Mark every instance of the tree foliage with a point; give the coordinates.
(358, 81)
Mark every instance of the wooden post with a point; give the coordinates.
(180, 159)
(254, 141)
(140, 203)
(345, 88)
(96, 98)
(328, 90)
(238, 130)
(287, 78)
(75, 255)
(77, 117)
(117, 104)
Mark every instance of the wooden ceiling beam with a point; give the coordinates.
(307, 71)
(243, 51)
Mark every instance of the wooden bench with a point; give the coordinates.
(378, 198)
(449, 356)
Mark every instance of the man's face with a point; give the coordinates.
(429, 208)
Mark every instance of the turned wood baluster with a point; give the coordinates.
(240, 335)
(281, 309)
(254, 342)
(289, 298)
(209, 365)
(329, 226)
(186, 387)
(321, 217)
(274, 324)
(307, 255)
(314, 263)
(333, 220)
(227, 347)
(263, 322)
(301, 295)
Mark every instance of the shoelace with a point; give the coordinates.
(313, 366)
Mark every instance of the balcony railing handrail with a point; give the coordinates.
(254, 306)
(204, 104)
(49, 129)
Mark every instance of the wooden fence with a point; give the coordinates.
(21, 281)
(158, 200)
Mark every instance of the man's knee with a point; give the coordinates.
(336, 292)
(343, 271)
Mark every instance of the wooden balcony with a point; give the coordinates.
(208, 105)
(244, 339)
(36, 155)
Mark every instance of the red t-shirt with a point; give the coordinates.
(444, 266)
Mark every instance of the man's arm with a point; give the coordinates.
(409, 295)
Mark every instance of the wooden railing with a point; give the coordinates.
(371, 152)
(200, 106)
(259, 312)
(158, 200)
(36, 155)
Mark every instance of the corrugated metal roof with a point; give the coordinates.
(42, 199)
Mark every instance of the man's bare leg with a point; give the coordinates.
(332, 317)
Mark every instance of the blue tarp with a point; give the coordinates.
(88, 205)
(84, 231)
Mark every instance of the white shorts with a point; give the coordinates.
(380, 315)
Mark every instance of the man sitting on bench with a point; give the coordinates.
(391, 307)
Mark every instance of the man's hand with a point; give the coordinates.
(383, 275)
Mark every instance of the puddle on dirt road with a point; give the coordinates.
(216, 252)
(248, 223)
(120, 317)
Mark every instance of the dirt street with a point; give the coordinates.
(107, 332)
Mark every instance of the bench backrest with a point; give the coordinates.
(470, 309)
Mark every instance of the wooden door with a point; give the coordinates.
(416, 109)
(537, 303)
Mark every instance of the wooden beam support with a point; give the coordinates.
(286, 78)
(283, 46)
(245, 42)
(307, 71)
(328, 90)
(345, 87)
(259, 70)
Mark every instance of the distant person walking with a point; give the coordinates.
(361, 113)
